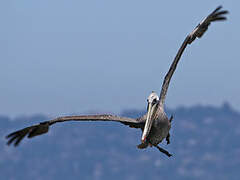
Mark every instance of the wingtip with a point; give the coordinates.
(9, 135)
(225, 12)
(218, 8)
(11, 140)
(221, 12)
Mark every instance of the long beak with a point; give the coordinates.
(148, 123)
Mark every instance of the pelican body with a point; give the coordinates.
(155, 124)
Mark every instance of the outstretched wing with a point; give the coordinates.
(201, 28)
(43, 127)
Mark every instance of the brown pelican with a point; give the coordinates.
(155, 124)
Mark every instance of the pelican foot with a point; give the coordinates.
(143, 145)
(164, 151)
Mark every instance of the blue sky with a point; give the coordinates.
(68, 56)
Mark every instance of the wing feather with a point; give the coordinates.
(200, 29)
(43, 127)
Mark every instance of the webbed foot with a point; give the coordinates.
(143, 145)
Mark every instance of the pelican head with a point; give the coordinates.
(153, 98)
(151, 109)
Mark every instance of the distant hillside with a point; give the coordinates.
(204, 142)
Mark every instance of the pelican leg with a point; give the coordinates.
(168, 138)
(164, 151)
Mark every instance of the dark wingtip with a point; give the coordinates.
(216, 11)
(15, 138)
(19, 139)
(11, 139)
(224, 12)
(10, 135)
(219, 15)
(218, 8)
(220, 18)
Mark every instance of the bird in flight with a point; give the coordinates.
(155, 124)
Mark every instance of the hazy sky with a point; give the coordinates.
(74, 56)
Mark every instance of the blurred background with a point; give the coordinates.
(63, 57)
